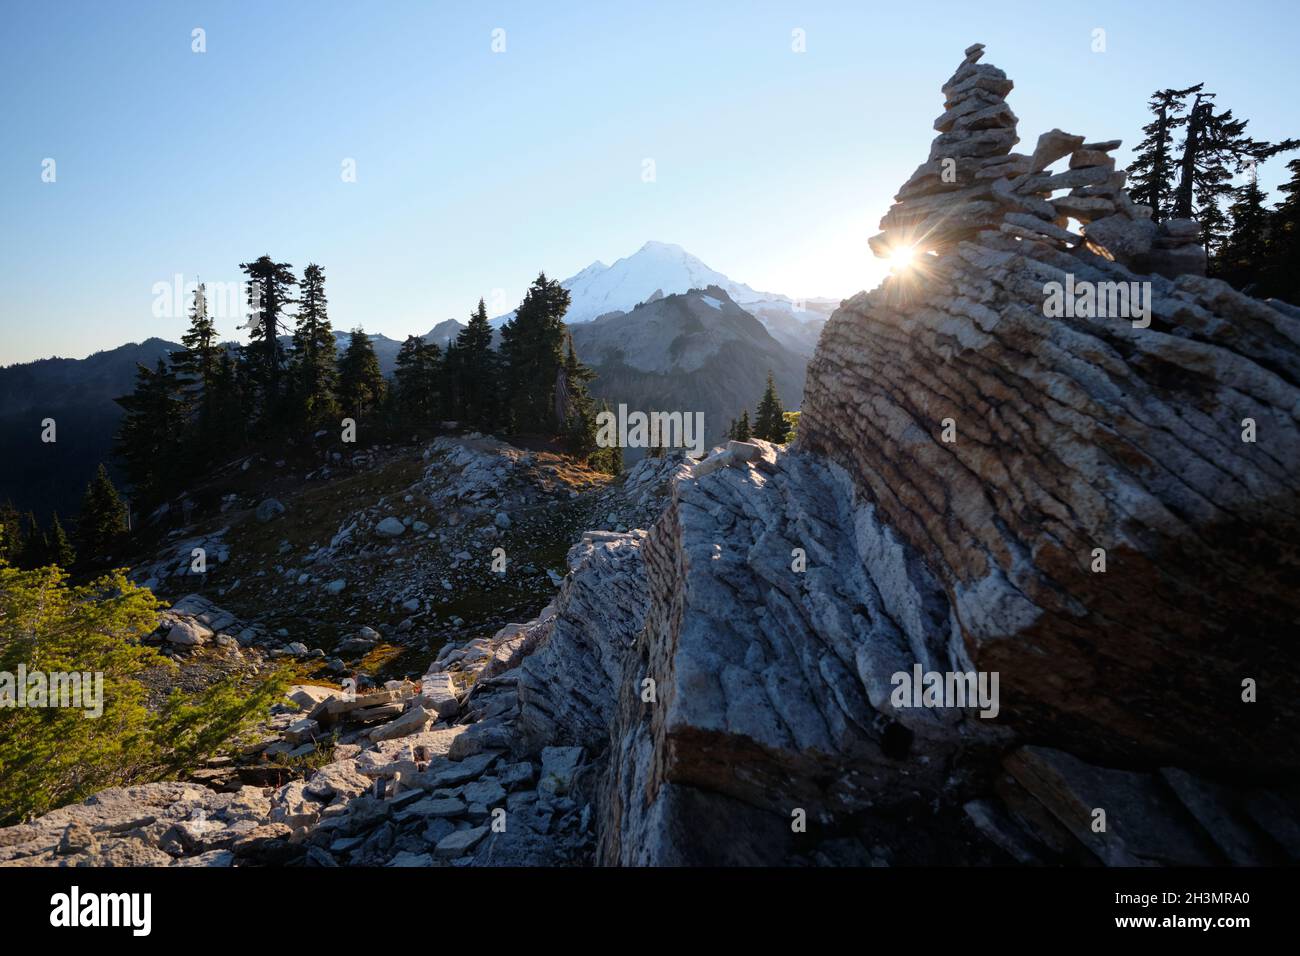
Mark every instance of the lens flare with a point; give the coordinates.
(901, 258)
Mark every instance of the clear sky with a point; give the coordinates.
(476, 169)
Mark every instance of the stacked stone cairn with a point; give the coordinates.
(972, 183)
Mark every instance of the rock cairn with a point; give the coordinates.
(972, 182)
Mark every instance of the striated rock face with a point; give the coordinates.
(602, 608)
(1077, 432)
(1093, 500)
(1073, 435)
(767, 682)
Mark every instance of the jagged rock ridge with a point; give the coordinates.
(1072, 433)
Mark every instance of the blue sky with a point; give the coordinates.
(475, 169)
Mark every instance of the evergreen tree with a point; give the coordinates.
(1214, 232)
(361, 383)
(53, 755)
(769, 419)
(416, 377)
(1242, 256)
(230, 408)
(610, 459)
(195, 368)
(450, 391)
(11, 533)
(573, 405)
(269, 288)
(196, 365)
(792, 422)
(1151, 174)
(478, 372)
(1214, 146)
(532, 344)
(741, 431)
(36, 545)
(1279, 276)
(61, 552)
(312, 367)
(103, 516)
(150, 432)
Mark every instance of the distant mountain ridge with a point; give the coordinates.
(646, 324)
(660, 269)
(696, 351)
(78, 394)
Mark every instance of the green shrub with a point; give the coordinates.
(50, 756)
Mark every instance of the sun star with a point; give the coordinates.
(901, 258)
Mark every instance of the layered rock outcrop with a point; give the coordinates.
(1163, 434)
(1093, 500)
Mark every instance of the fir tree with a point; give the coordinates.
(195, 368)
(478, 373)
(532, 344)
(610, 459)
(1279, 276)
(769, 419)
(196, 365)
(54, 755)
(102, 520)
(269, 285)
(741, 431)
(1214, 232)
(230, 408)
(35, 552)
(61, 552)
(573, 405)
(792, 422)
(361, 383)
(1214, 146)
(450, 402)
(1151, 174)
(11, 533)
(1242, 256)
(313, 369)
(416, 376)
(150, 431)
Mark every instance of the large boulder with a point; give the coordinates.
(411, 722)
(390, 527)
(188, 632)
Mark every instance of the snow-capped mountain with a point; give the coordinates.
(661, 269)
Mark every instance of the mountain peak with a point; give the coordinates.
(661, 269)
(657, 267)
(671, 247)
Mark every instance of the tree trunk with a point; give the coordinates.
(1161, 159)
(1183, 197)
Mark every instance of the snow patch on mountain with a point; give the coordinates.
(659, 269)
